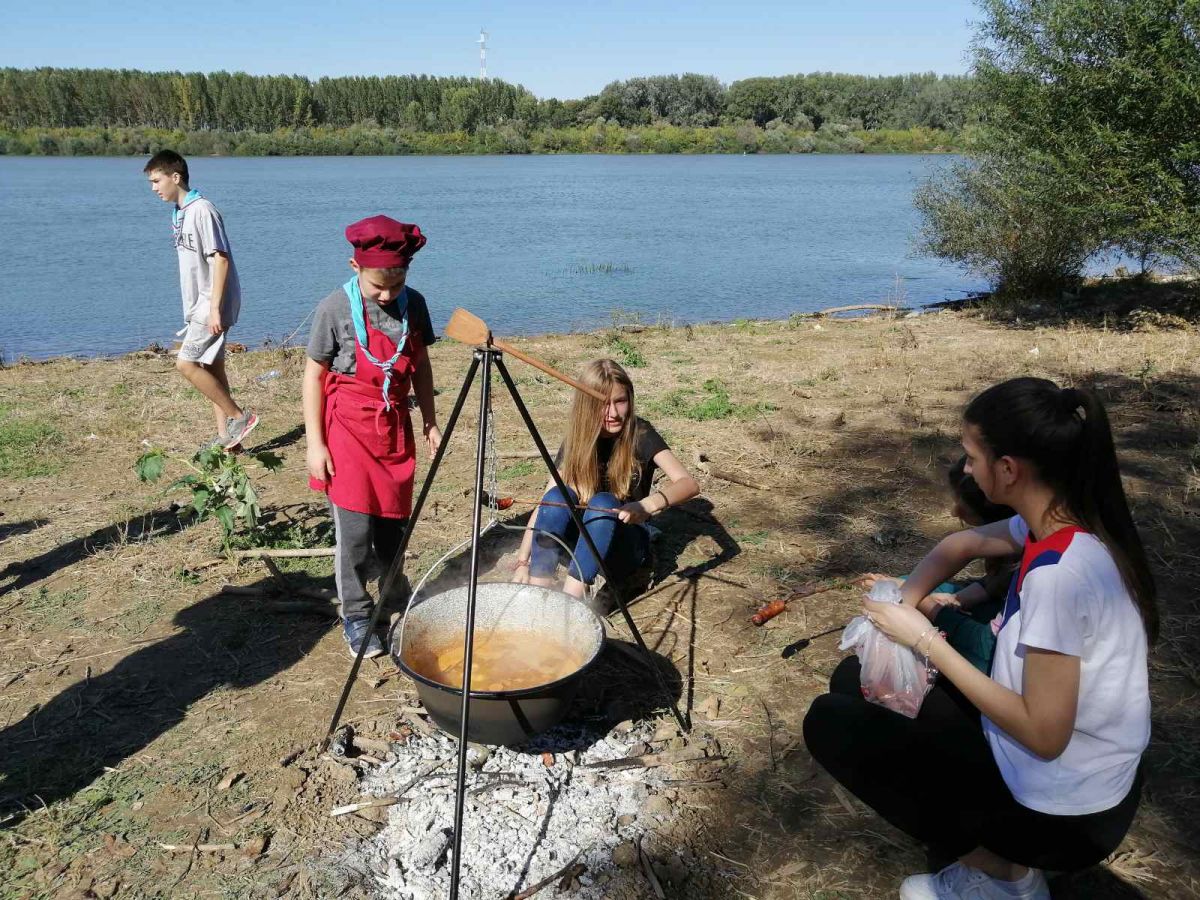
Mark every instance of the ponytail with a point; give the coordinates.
(1065, 433)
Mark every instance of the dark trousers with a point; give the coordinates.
(934, 777)
(366, 545)
(622, 546)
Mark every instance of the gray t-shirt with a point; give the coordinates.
(332, 339)
(200, 234)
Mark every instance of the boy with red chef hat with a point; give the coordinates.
(367, 345)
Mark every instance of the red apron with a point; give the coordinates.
(372, 447)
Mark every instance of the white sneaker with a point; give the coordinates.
(959, 882)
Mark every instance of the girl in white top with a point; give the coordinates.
(1066, 711)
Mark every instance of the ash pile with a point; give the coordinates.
(584, 814)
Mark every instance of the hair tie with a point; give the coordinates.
(1072, 402)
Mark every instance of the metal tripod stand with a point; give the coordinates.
(489, 357)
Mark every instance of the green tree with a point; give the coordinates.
(1089, 142)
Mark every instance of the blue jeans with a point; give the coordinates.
(621, 545)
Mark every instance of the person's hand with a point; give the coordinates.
(868, 580)
(521, 572)
(901, 623)
(433, 440)
(215, 323)
(320, 463)
(932, 605)
(633, 513)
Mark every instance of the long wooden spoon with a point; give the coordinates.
(468, 328)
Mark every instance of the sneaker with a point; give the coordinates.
(355, 631)
(958, 881)
(219, 441)
(239, 428)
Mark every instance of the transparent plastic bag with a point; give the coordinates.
(891, 674)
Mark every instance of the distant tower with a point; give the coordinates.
(482, 54)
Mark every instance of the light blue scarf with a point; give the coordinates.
(360, 333)
(177, 213)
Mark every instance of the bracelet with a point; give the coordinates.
(666, 502)
(931, 630)
(522, 562)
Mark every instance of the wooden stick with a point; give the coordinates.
(468, 328)
(725, 475)
(523, 502)
(263, 552)
(881, 307)
(547, 881)
(650, 760)
(198, 848)
(391, 799)
(549, 370)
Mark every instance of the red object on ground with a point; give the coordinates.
(768, 612)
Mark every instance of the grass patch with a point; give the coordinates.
(517, 470)
(754, 539)
(709, 404)
(604, 268)
(28, 447)
(59, 609)
(626, 352)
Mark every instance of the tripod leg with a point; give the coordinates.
(469, 630)
(578, 520)
(397, 566)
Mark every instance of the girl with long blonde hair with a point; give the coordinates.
(608, 461)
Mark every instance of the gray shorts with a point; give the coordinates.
(200, 346)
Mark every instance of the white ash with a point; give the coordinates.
(528, 827)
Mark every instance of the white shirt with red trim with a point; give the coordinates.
(1069, 597)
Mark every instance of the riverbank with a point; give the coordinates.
(511, 138)
(145, 703)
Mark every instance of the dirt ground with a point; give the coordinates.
(143, 704)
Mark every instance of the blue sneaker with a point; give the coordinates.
(355, 631)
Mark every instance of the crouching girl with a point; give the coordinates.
(608, 461)
(1037, 766)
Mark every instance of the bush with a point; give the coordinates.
(1007, 224)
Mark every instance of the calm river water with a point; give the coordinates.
(531, 244)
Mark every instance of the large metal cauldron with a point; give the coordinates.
(499, 717)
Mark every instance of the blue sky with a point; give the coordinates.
(562, 49)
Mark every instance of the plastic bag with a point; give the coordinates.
(891, 674)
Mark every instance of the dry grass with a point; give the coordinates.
(120, 650)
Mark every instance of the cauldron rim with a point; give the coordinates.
(398, 657)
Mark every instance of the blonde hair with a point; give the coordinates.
(581, 469)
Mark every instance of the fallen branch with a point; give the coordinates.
(853, 307)
(268, 552)
(391, 799)
(198, 848)
(547, 881)
(703, 465)
(650, 760)
(736, 479)
(649, 870)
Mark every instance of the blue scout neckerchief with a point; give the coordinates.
(360, 332)
(177, 212)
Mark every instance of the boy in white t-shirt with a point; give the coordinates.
(212, 296)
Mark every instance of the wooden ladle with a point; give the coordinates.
(468, 328)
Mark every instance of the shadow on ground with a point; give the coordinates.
(62, 745)
(136, 528)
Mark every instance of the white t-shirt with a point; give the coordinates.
(199, 234)
(1069, 597)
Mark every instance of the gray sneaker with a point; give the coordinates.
(240, 428)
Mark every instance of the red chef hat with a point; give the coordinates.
(383, 243)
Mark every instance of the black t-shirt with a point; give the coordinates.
(647, 444)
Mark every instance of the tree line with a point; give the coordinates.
(237, 102)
